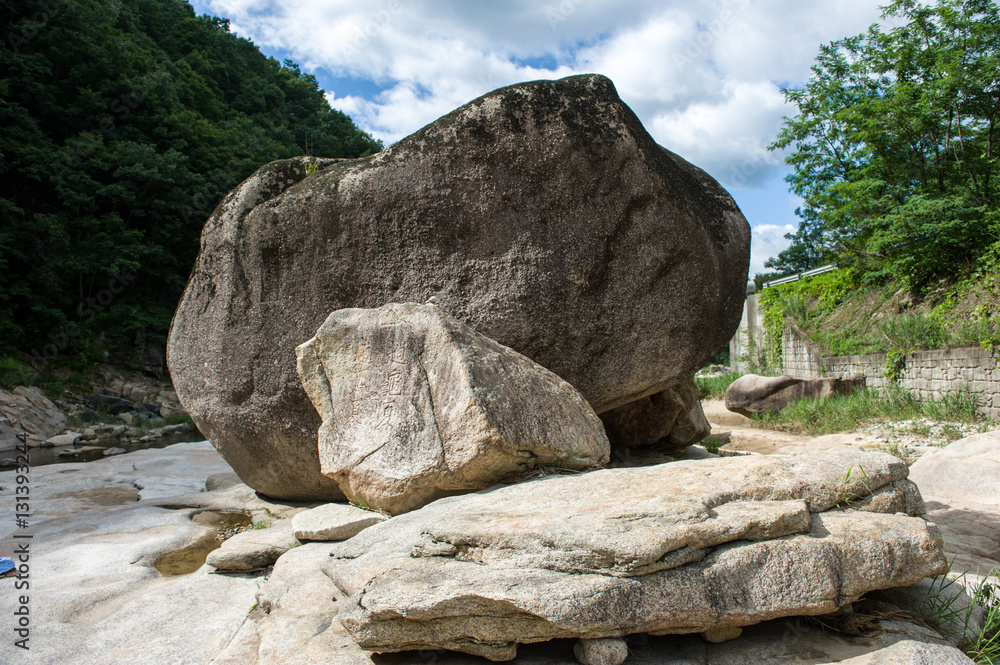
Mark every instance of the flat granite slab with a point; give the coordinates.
(684, 547)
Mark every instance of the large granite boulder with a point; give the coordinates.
(543, 215)
(671, 419)
(416, 405)
(752, 394)
(685, 547)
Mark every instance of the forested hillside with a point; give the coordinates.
(123, 124)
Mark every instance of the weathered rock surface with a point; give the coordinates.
(752, 394)
(416, 405)
(678, 548)
(95, 596)
(672, 419)
(966, 471)
(962, 485)
(542, 214)
(909, 652)
(605, 651)
(255, 549)
(689, 429)
(26, 410)
(334, 521)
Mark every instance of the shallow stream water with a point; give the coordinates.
(43, 456)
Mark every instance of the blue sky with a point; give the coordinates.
(704, 76)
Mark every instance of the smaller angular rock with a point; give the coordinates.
(751, 394)
(648, 420)
(254, 549)
(111, 404)
(334, 521)
(416, 406)
(689, 429)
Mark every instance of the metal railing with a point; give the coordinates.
(794, 278)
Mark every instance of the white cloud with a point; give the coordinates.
(767, 240)
(704, 76)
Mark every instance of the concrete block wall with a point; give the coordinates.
(931, 374)
(927, 374)
(799, 357)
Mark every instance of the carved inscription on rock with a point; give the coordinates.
(383, 411)
(417, 406)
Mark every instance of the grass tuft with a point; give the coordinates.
(714, 387)
(845, 413)
(942, 611)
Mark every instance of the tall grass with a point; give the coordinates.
(714, 387)
(845, 413)
(915, 331)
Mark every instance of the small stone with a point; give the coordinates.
(67, 439)
(255, 549)
(88, 434)
(114, 451)
(721, 634)
(334, 521)
(221, 481)
(604, 651)
(125, 418)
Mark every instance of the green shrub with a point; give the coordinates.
(15, 373)
(915, 331)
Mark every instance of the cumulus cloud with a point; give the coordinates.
(704, 76)
(767, 240)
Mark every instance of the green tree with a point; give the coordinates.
(894, 148)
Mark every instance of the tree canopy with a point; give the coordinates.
(124, 124)
(895, 146)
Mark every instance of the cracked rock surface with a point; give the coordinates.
(416, 405)
(678, 548)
